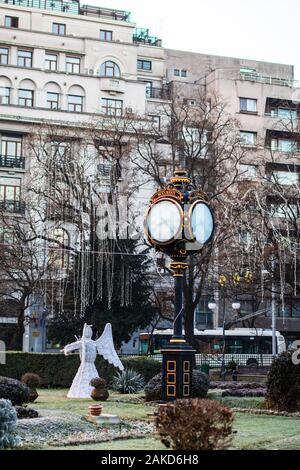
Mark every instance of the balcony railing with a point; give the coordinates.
(12, 206)
(256, 77)
(10, 161)
(117, 15)
(71, 6)
(141, 36)
(158, 93)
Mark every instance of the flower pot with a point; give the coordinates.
(95, 410)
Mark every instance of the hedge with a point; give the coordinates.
(57, 370)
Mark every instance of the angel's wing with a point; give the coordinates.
(105, 347)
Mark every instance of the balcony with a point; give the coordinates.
(12, 206)
(141, 36)
(9, 161)
(267, 80)
(158, 93)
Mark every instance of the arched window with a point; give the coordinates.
(58, 253)
(110, 69)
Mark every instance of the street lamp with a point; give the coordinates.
(178, 222)
(212, 306)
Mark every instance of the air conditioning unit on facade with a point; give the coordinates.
(160, 270)
(129, 110)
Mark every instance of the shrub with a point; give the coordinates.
(57, 370)
(231, 366)
(8, 419)
(153, 389)
(283, 384)
(14, 390)
(31, 380)
(245, 392)
(200, 384)
(98, 382)
(99, 392)
(236, 385)
(26, 413)
(145, 366)
(128, 381)
(195, 425)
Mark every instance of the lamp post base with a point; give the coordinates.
(177, 377)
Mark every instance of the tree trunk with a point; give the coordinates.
(20, 330)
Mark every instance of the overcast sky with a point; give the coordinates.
(265, 30)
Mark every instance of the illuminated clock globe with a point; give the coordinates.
(164, 221)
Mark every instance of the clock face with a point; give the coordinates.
(202, 223)
(164, 221)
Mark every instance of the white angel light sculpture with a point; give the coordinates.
(88, 350)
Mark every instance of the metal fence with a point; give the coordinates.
(215, 360)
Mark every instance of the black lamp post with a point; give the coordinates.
(179, 222)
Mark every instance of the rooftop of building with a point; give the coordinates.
(72, 7)
(140, 35)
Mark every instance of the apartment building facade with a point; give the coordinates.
(264, 98)
(65, 63)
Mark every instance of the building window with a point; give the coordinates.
(245, 237)
(156, 120)
(248, 138)
(11, 22)
(58, 254)
(112, 107)
(50, 61)
(4, 95)
(106, 35)
(26, 98)
(284, 145)
(180, 73)
(284, 113)
(75, 103)
(247, 171)
(110, 69)
(144, 64)
(24, 58)
(52, 100)
(72, 64)
(248, 105)
(149, 89)
(285, 178)
(11, 151)
(284, 211)
(59, 28)
(104, 169)
(10, 194)
(3, 55)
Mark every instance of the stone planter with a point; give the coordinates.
(95, 410)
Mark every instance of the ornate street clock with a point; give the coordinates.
(179, 222)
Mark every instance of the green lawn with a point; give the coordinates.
(252, 431)
(125, 406)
